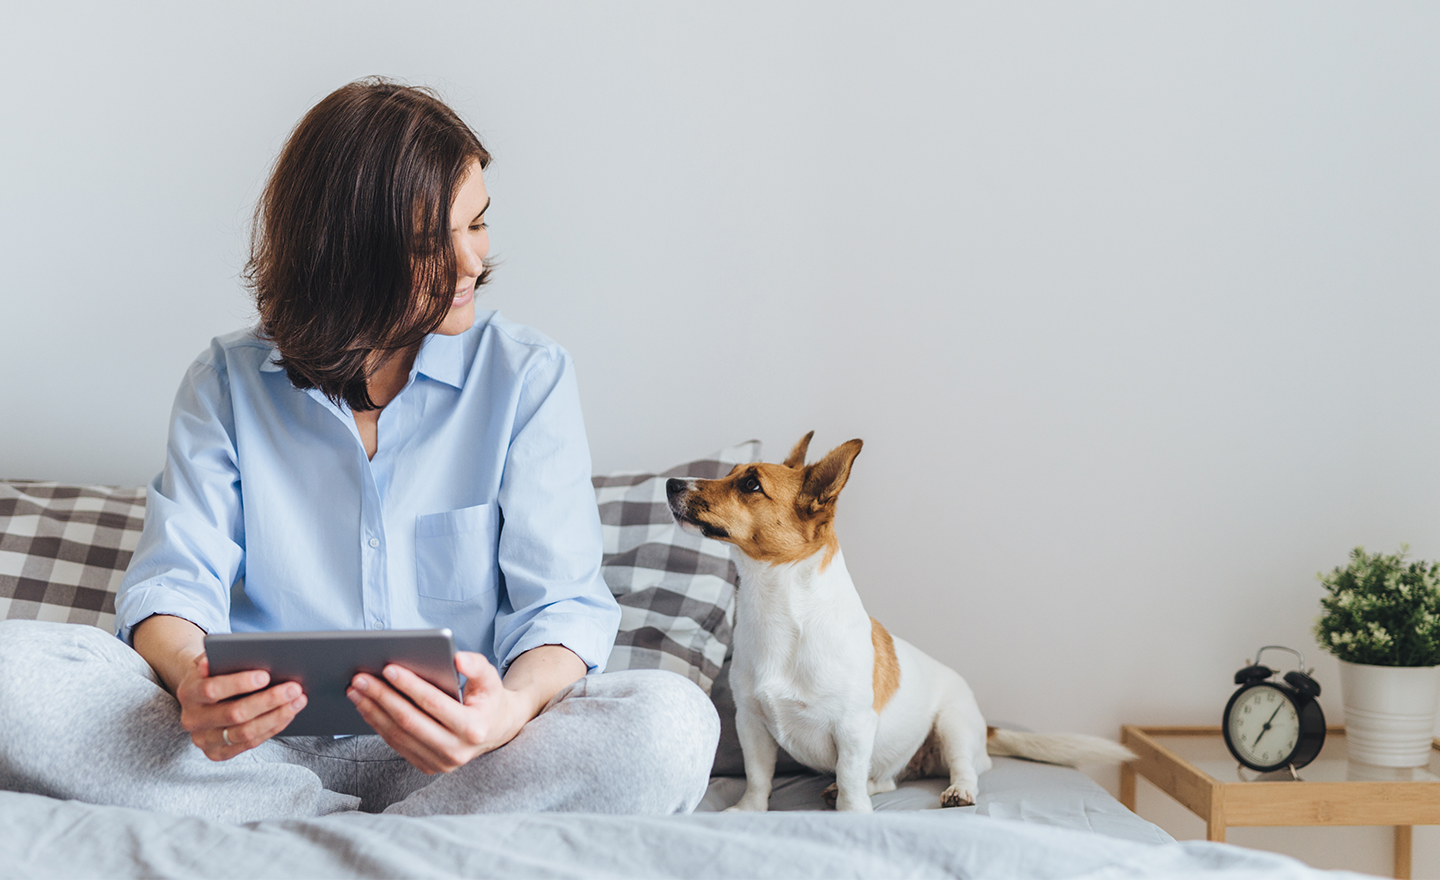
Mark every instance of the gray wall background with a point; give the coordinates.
(1133, 304)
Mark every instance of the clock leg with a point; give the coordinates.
(1402, 851)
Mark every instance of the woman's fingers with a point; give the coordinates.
(231, 740)
(426, 759)
(405, 714)
(201, 689)
(230, 714)
(234, 712)
(434, 702)
(400, 724)
(430, 728)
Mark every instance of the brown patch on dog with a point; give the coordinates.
(990, 732)
(775, 513)
(927, 762)
(887, 667)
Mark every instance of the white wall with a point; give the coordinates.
(1133, 304)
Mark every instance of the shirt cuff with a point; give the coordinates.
(144, 603)
(581, 633)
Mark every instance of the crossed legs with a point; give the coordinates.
(83, 717)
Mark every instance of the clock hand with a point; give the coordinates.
(1267, 722)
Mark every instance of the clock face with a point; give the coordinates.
(1264, 726)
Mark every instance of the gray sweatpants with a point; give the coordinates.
(83, 717)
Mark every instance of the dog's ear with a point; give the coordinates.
(825, 478)
(796, 458)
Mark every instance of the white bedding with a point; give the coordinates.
(1032, 821)
(42, 838)
(1039, 794)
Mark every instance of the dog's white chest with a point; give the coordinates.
(802, 723)
(802, 661)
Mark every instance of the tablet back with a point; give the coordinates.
(325, 662)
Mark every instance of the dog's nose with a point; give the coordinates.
(674, 487)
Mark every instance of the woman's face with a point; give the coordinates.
(471, 241)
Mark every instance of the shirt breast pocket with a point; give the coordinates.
(456, 553)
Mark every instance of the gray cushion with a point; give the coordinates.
(64, 549)
(676, 590)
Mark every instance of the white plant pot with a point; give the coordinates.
(1389, 712)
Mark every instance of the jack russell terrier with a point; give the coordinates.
(815, 674)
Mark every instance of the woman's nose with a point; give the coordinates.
(469, 259)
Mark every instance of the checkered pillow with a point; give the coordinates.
(64, 549)
(676, 591)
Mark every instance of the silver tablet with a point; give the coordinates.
(325, 662)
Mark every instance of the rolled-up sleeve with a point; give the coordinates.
(550, 544)
(192, 548)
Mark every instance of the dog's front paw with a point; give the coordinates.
(750, 805)
(955, 796)
(853, 804)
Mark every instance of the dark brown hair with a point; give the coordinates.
(350, 255)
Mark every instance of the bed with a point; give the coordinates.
(64, 548)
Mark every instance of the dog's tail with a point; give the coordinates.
(1068, 749)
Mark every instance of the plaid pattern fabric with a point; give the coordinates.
(64, 549)
(676, 591)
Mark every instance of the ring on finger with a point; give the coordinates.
(225, 735)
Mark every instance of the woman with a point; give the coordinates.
(374, 455)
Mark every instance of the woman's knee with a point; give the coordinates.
(49, 644)
(668, 722)
(47, 666)
(29, 645)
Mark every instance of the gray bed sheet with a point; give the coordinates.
(44, 838)
(1040, 794)
(1031, 821)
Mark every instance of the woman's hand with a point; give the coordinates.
(224, 729)
(437, 734)
(175, 649)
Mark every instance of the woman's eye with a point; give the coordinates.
(751, 485)
(479, 226)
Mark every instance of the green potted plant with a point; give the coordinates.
(1381, 619)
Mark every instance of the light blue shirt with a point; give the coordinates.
(477, 512)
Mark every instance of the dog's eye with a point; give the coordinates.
(750, 484)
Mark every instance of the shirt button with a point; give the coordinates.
(374, 542)
(377, 625)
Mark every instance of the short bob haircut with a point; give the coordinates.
(350, 255)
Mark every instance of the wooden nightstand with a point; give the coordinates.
(1192, 765)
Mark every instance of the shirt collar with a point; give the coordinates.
(441, 358)
(272, 360)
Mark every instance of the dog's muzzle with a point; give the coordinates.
(677, 492)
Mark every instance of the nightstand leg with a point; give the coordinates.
(1215, 818)
(1127, 786)
(1402, 851)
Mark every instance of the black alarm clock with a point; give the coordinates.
(1271, 725)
